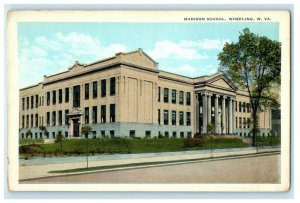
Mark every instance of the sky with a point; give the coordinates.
(189, 49)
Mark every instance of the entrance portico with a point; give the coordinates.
(214, 102)
(74, 123)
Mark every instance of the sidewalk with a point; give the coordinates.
(40, 167)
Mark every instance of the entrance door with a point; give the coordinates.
(76, 127)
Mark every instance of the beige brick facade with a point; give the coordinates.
(127, 96)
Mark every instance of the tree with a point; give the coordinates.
(85, 130)
(253, 64)
(44, 130)
(210, 128)
(28, 132)
(59, 139)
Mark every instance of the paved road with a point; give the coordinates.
(261, 169)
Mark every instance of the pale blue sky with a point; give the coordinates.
(189, 49)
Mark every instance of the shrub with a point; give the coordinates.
(59, 137)
(160, 136)
(194, 142)
(24, 149)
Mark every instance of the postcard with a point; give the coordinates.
(142, 100)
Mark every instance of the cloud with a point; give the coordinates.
(168, 49)
(49, 55)
(205, 44)
(185, 49)
(191, 71)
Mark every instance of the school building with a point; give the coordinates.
(128, 96)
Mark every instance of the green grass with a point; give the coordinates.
(268, 141)
(124, 145)
(30, 141)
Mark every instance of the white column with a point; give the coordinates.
(217, 114)
(223, 115)
(197, 112)
(204, 113)
(230, 115)
(209, 108)
(70, 130)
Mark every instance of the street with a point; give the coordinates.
(260, 169)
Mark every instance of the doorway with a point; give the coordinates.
(76, 127)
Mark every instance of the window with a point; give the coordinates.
(112, 86)
(240, 122)
(112, 109)
(86, 115)
(36, 101)
(181, 121)
(112, 133)
(166, 95)
(54, 118)
(103, 88)
(189, 134)
(188, 98)
(48, 118)
(48, 98)
(23, 121)
(248, 107)
(248, 122)
(59, 117)
(158, 98)
(67, 95)
(166, 133)
(181, 97)
(66, 134)
(23, 103)
(36, 120)
(148, 134)
(103, 114)
(188, 118)
(174, 134)
(166, 117)
(95, 89)
(158, 116)
(132, 133)
(236, 122)
(236, 106)
(244, 107)
(76, 96)
(181, 134)
(86, 91)
(27, 121)
(173, 117)
(66, 116)
(53, 134)
(31, 120)
(31, 102)
(27, 103)
(60, 96)
(173, 96)
(94, 114)
(240, 106)
(42, 100)
(244, 122)
(53, 97)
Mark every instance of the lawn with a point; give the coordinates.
(124, 145)
(30, 141)
(268, 141)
